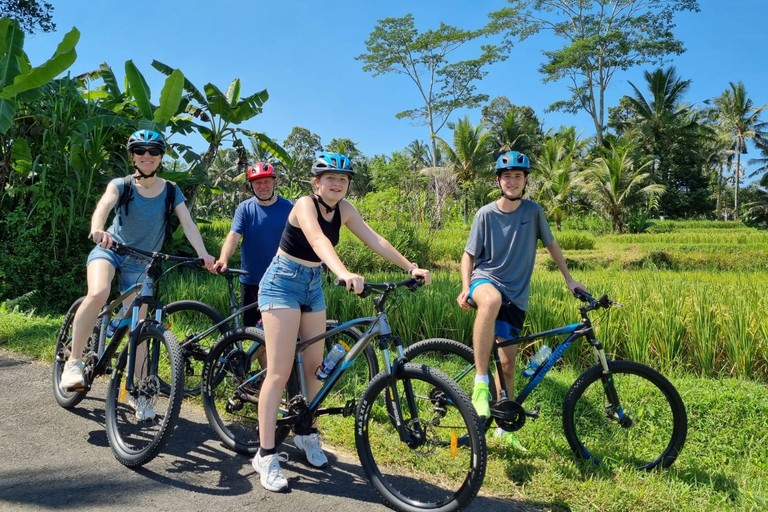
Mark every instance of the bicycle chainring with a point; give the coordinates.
(512, 415)
(298, 407)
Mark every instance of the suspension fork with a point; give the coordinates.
(405, 433)
(609, 385)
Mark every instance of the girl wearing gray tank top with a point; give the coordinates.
(292, 302)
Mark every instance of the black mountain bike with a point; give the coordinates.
(148, 368)
(617, 413)
(198, 326)
(417, 435)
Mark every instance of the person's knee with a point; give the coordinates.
(98, 297)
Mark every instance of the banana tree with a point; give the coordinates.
(222, 113)
(21, 82)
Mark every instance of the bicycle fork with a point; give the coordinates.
(613, 409)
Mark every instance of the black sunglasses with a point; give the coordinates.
(152, 151)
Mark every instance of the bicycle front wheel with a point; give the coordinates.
(430, 470)
(454, 359)
(646, 433)
(139, 427)
(187, 319)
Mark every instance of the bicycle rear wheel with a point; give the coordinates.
(648, 433)
(136, 441)
(186, 319)
(68, 399)
(232, 378)
(454, 359)
(432, 471)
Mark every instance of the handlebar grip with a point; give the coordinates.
(339, 282)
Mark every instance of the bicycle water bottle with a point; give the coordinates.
(116, 321)
(537, 360)
(330, 361)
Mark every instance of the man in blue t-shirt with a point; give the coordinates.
(497, 264)
(260, 221)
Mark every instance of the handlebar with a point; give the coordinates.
(412, 284)
(123, 249)
(604, 302)
(232, 272)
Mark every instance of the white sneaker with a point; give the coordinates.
(72, 375)
(142, 407)
(311, 446)
(272, 478)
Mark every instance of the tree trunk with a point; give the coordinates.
(736, 189)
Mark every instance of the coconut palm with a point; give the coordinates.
(739, 115)
(619, 181)
(470, 156)
(554, 172)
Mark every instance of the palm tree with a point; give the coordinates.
(470, 155)
(554, 173)
(518, 133)
(739, 115)
(419, 155)
(619, 181)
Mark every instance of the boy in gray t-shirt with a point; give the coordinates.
(497, 264)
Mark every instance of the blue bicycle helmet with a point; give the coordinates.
(332, 162)
(513, 161)
(146, 138)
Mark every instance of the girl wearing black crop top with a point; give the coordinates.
(292, 304)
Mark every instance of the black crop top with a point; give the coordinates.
(295, 243)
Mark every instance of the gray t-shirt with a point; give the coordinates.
(144, 226)
(504, 247)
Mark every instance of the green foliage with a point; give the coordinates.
(30, 14)
(601, 37)
(575, 240)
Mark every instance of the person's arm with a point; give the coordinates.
(227, 250)
(557, 256)
(467, 264)
(379, 244)
(193, 234)
(105, 204)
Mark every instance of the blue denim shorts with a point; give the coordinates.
(290, 285)
(130, 269)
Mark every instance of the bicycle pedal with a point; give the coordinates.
(534, 414)
(349, 408)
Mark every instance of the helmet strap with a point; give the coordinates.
(140, 175)
(328, 209)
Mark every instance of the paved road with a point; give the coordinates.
(51, 458)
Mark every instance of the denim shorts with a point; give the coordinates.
(130, 269)
(290, 285)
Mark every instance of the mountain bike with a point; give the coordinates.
(148, 368)
(406, 434)
(199, 326)
(617, 413)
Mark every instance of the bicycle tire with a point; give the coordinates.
(660, 423)
(234, 419)
(68, 399)
(135, 442)
(186, 319)
(453, 358)
(454, 474)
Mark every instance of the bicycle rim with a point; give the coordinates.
(136, 441)
(435, 473)
(231, 405)
(186, 319)
(658, 419)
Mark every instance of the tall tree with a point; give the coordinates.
(303, 146)
(470, 155)
(396, 46)
(739, 115)
(31, 14)
(667, 128)
(554, 172)
(601, 37)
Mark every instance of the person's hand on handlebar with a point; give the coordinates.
(208, 260)
(102, 238)
(575, 285)
(354, 282)
(218, 266)
(422, 273)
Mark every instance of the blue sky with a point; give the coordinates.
(302, 52)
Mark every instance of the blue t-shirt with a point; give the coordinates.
(261, 228)
(144, 226)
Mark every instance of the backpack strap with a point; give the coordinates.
(170, 199)
(125, 196)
